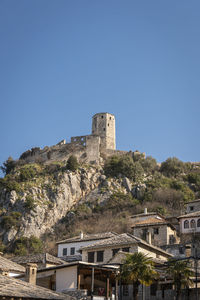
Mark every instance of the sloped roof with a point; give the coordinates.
(122, 240)
(197, 200)
(10, 266)
(88, 237)
(193, 214)
(38, 258)
(11, 287)
(152, 221)
(148, 214)
(121, 256)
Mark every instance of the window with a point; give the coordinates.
(114, 251)
(126, 249)
(144, 234)
(90, 256)
(72, 251)
(156, 230)
(153, 289)
(125, 290)
(181, 250)
(64, 251)
(191, 208)
(186, 224)
(33, 271)
(102, 117)
(99, 256)
(192, 223)
(198, 223)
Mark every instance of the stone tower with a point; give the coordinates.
(103, 125)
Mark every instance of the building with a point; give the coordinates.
(154, 228)
(69, 249)
(190, 223)
(9, 268)
(87, 148)
(193, 206)
(102, 252)
(43, 260)
(11, 289)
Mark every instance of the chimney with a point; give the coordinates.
(149, 237)
(31, 273)
(81, 235)
(145, 210)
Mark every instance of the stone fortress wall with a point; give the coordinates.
(89, 148)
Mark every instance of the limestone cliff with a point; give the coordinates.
(35, 198)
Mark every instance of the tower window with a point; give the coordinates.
(110, 118)
(108, 124)
(104, 129)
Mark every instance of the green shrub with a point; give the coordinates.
(27, 173)
(123, 165)
(172, 167)
(25, 246)
(194, 178)
(149, 164)
(72, 163)
(119, 201)
(10, 184)
(12, 220)
(8, 165)
(30, 203)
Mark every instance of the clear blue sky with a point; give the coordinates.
(61, 61)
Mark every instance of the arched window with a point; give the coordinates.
(192, 223)
(186, 224)
(198, 223)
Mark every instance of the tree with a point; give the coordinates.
(123, 165)
(181, 273)
(8, 165)
(139, 269)
(72, 163)
(172, 167)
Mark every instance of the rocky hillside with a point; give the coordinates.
(51, 201)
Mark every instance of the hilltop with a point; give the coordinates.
(51, 201)
(87, 185)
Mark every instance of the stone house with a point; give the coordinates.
(102, 252)
(193, 206)
(11, 288)
(9, 268)
(43, 260)
(68, 249)
(190, 223)
(156, 231)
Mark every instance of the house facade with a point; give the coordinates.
(190, 223)
(103, 251)
(68, 249)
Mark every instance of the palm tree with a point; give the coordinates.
(139, 269)
(180, 271)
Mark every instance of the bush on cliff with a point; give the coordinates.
(25, 246)
(72, 163)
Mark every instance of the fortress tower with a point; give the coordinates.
(103, 125)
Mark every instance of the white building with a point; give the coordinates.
(190, 223)
(68, 249)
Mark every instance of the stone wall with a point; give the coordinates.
(160, 234)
